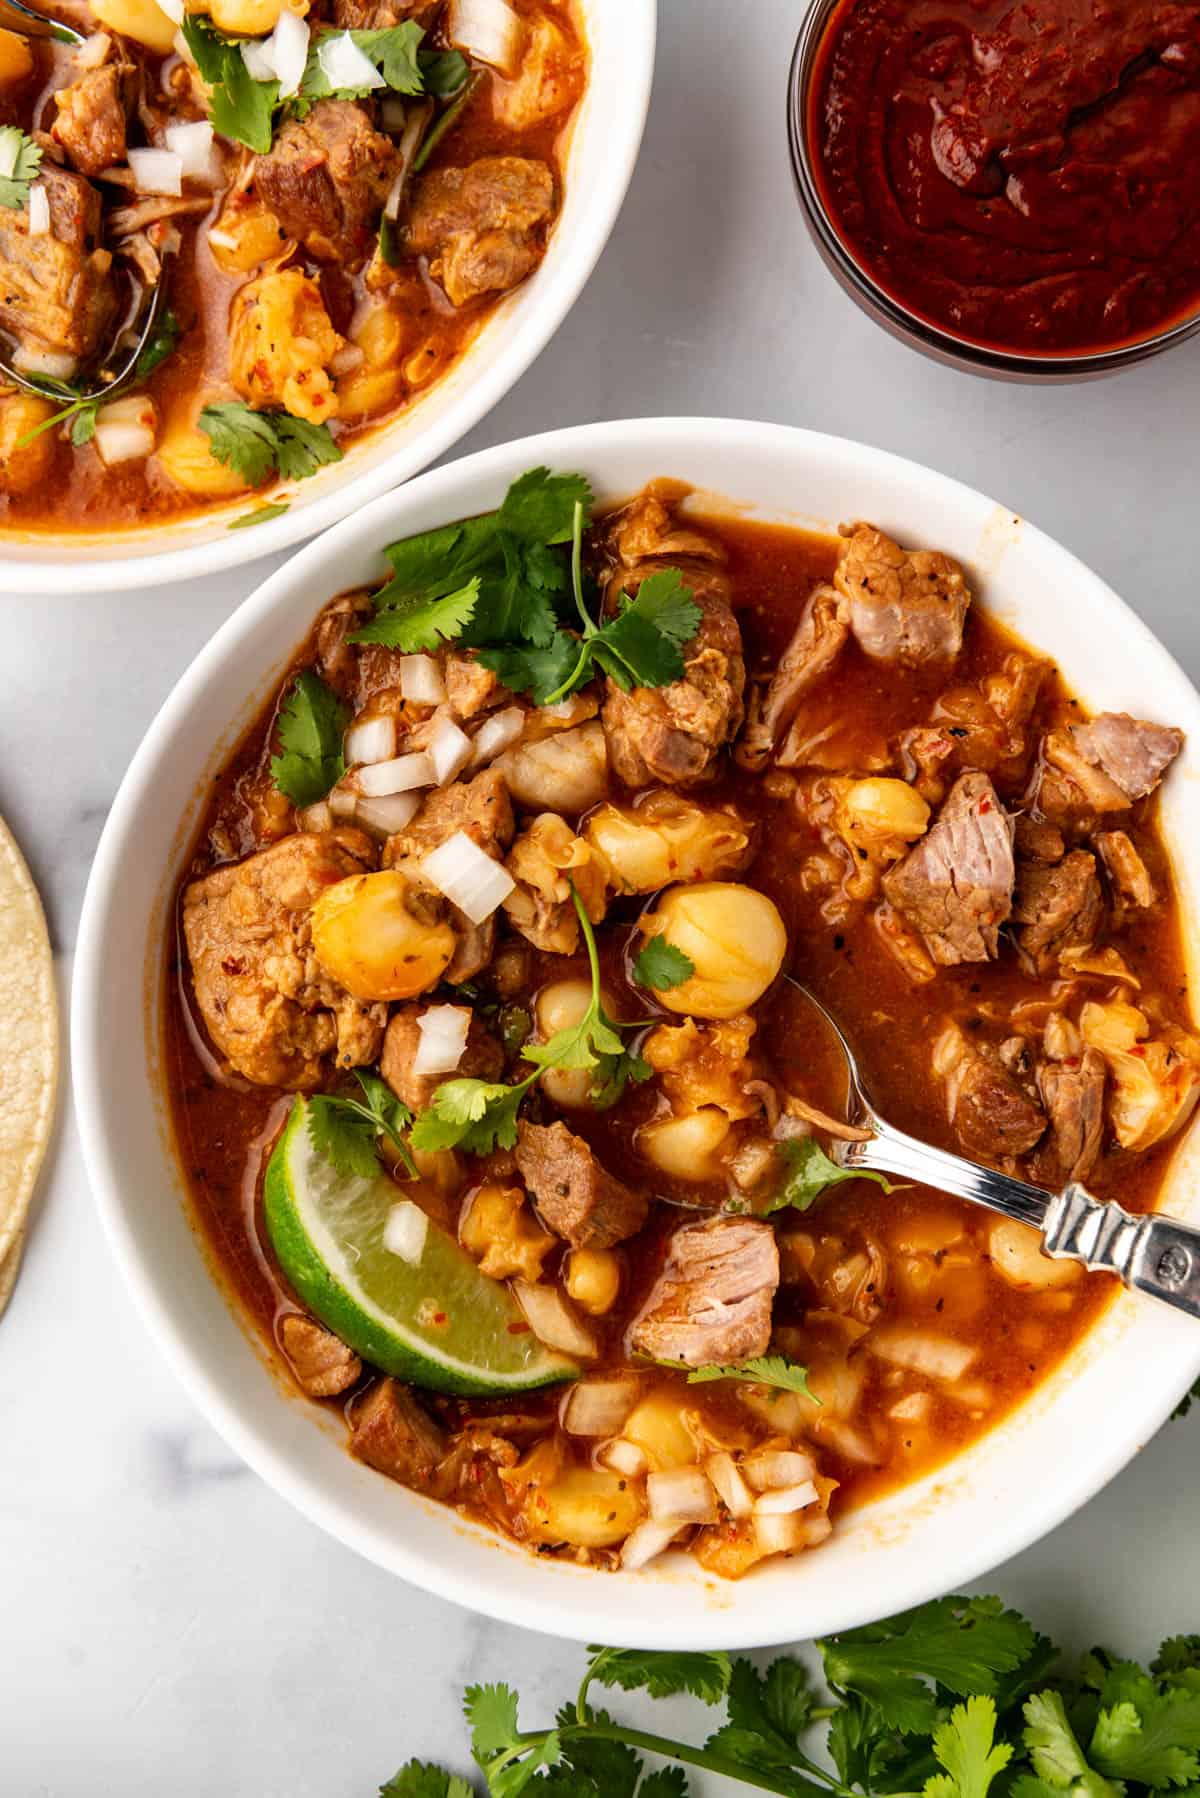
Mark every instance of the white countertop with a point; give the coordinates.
(167, 1625)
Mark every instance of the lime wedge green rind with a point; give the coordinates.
(327, 1230)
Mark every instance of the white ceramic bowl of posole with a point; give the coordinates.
(1083, 1423)
(605, 138)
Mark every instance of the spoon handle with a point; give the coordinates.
(1156, 1255)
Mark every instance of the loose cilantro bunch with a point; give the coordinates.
(20, 161)
(481, 1115)
(959, 1698)
(496, 583)
(256, 444)
(311, 724)
(348, 1131)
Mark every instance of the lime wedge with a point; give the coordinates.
(437, 1323)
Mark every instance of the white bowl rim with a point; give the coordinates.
(563, 1612)
(553, 300)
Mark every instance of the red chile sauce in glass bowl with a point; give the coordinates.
(1024, 179)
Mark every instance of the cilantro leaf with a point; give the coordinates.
(445, 72)
(256, 443)
(1178, 1655)
(474, 1115)
(260, 515)
(422, 627)
(809, 1172)
(20, 160)
(661, 966)
(667, 1782)
(1144, 1734)
(539, 671)
(239, 107)
(967, 1748)
(393, 50)
(160, 344)
(1057, 1758)
(611, 1768)
(963, 1644)
(491, 1712)
(767, 1713)
(539, 507)
(347, 1132)
(343, 1136)
(83, 425)
(418, 1779)
(759, 1370)
(663, 1674)
(310, 728)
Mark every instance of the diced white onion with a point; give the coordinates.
(316, 817)
(400, 774)
(647, 1542)
(156, 171)
(344, 65)
(384, 817)
(224, 240)
(770, 1469)
(57, 364)
(937, 1357)
(404, 1231)
(173, 10)
(10, 149)
(260, 64)
(496, 734)
(94, 50)
(489, 30)
(783, 1535)
(421, 680)
(553, 1321)
(343, 801)
(730, 1487)
(599, 1407)
(449, 750)
(683, 1494)
(126, 430)
(39, 210)
(468, 877)
(850, 1443)
(622, 1457)
(193, 144)
(786, 1499)
(912, 1408)
(289, 52)
(372, 740)
(443, 1038)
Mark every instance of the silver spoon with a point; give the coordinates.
(19, 17)
(1157, 1255)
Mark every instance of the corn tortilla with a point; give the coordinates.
(28, 1050)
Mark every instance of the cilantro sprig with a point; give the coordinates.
(20, 161)
(239, 107)
(641, 646)
(347, 1132)
(256, 444)
(808, 1172)
(310, 727)
(759, 1370)
(481, 1115)
(959, 1698)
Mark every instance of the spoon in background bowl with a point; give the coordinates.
(1153, 1254)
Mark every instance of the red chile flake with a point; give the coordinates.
(1024, 177)
(518, 1329)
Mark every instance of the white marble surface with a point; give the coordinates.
(167, 1625)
